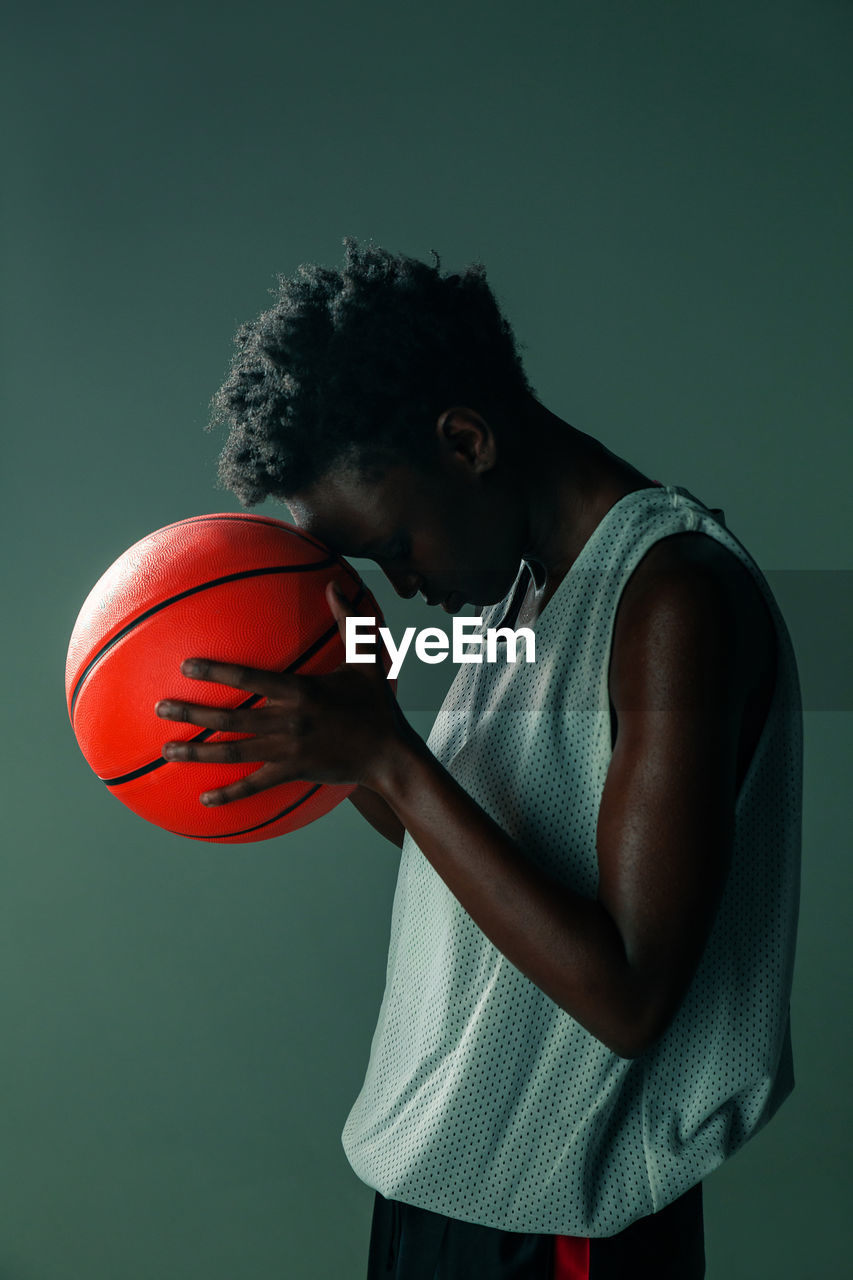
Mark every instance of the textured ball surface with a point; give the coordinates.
(234, 588)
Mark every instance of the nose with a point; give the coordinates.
(405, 584)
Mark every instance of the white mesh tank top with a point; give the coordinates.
(485, 1101)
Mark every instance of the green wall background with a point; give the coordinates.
(661, 196)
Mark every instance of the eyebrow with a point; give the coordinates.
(335, 543)
(376, 545)
(366, 551)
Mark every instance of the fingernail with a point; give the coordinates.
(190, 668)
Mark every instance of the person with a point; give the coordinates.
(589, 973)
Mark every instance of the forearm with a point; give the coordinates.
(379, 814)
(566, 944)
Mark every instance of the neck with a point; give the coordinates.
(570, 483)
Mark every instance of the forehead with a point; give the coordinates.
(350, 511)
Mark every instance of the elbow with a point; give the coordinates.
(626, 1041)
(627, 1048)
(639, 1032)
(632, 1049)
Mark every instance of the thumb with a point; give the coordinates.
(368, 640)
(339, 605)
(341, 609)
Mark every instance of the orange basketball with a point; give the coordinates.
(233, 588)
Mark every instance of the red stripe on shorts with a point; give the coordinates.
(571, 1258)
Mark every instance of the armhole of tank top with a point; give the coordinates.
(511, 613)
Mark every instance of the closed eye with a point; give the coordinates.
(399, 549)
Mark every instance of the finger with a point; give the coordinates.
(260, 780)
(273, 684)
(339, 605)
(342, 609)
(223, 720)
(238, 751)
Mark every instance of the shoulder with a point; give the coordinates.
(690, 611)
(687, 560)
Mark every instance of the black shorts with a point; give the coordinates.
(407, 1243)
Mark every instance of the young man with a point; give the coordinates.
(587, 1002)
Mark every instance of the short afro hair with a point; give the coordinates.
(356, 366)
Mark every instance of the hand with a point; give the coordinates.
(341, 727)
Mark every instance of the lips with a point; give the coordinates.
(453, 603)
(450, 604)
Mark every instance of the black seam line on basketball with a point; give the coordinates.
(204, 734)
(250, 519)
(223, 835)
(182, 595)
(267, 520)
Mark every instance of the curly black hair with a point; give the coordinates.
(357, 365)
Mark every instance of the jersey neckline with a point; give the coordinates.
(584, 553)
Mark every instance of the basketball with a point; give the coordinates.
(236, 588)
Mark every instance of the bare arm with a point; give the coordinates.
(620, 963)
(379, 814)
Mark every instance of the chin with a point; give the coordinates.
(493, 593)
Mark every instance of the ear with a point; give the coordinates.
(467, 437)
